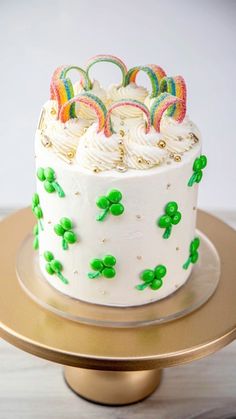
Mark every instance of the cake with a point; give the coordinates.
(117, 173)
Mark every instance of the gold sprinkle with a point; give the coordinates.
(75, 272)
(171, 155)
(194, 208)
(96, 170)
(120, 142)
(103, 240)
(177, 248)
(122, 133)
(71, 154)
(122, 123)
(180, 138)
(140, 160)
(177, 158)
(139, 257)
(53, 111)
(49, 222)
(168, 186)
(161, 144)
(193, 137)
(77, 193)
(138, 216)
(121, 158)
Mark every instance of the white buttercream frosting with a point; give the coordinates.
(64, 138)
(96, 151)
(84, 111)
(179, 137)
(132, 91)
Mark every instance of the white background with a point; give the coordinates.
(192, 38)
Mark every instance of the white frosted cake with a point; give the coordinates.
(117, 182)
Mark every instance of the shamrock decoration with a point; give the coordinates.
(48, 177)
(152, 278)
(193, 252)
(37, 210)
(199, 164)
(53, 266)
(171, 217)
(110, 203)
(36, 237)
(64, 229)
(103, 267)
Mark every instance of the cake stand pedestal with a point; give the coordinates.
(116, 366)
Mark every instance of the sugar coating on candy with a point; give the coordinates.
(110, 59)
(154, 73)
(91, 101)
(108, 129)
(160, 105)
(176, 87)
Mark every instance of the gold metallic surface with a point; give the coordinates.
(112, 387)
(40, 332)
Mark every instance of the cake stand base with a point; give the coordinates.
(112, 387)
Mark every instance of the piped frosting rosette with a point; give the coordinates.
(95, 152)
(63, 138)
(179, 137)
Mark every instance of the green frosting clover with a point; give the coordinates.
(48, 177)
(36, 237)
(199, 164)
(193, 252)
(53, 266)
(37, 210)
(103, 267)
(110, 203)
(64, 229)
(152, 278)
(171, 217)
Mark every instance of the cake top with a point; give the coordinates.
(122, 127)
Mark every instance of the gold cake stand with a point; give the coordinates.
(107, 365)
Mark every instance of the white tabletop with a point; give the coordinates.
(31, 387)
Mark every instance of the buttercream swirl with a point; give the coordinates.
(179, 137)
(96, 151)
(64, 138)
(132, 91)
(142, 149)
(84, 111)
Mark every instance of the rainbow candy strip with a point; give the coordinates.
(110, 59)
(160, 73)
(161, 104)
(108, 130)
(175, 86)
(61, 91)
(87, 99)
(154, 73)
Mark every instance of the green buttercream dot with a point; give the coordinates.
(117, 209)
(38, 212)
(35, 199)
(103, 202)
(176, 218)
(97, 264)
(66, 223)
(114, 196)
(49, 174)
(156, 284)
(194, 245)
(109, 260)
(48, 256)
(199, 176)
(109, 272)
(56, 265)
(203, 161)
(48, 186)
(36, 230)
(147, 275)
(160, 271)
(197, 165)
(164, 221)
(40, 174)
(49, 269)
(59, 230)
(171, 208)
(70, 237)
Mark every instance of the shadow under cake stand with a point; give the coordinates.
(116, 365)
